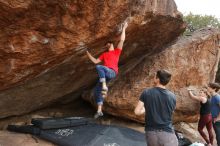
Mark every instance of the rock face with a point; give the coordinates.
(12, 139)
(192, 60)
(43, 43)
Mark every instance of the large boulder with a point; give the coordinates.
(43, 44)
(192, 60)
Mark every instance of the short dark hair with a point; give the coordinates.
(164, 76)
(215, 86)
(110, 42)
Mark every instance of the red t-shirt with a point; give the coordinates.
(110, 59)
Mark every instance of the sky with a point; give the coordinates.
(203, 7)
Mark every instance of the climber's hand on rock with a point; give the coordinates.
(125, 25)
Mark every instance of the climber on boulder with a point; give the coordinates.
(205, 114)
(108, 70)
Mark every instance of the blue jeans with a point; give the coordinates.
(105, 75)
(216, 127)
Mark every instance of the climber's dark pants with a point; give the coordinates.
(206, 121)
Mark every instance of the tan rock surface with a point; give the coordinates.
(42, 54)
(193, 62)
(16, 139)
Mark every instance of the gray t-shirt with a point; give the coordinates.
(159, 105)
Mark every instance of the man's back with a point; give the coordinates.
(159, 104)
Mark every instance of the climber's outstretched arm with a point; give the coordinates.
(94, 60)
(122, 39)
(198, 98)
